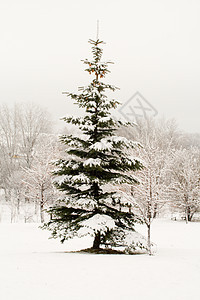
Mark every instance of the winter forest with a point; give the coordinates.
(98, 177)
(157, 172)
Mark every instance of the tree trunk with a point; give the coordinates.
(155, 210)
(191, 216)
(97, 241)
(41, 212)
(18, 205)
(149, 238)
(42, 206)
(188, 215)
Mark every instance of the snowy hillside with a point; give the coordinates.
(34, 267)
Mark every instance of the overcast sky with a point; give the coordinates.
(155, 45)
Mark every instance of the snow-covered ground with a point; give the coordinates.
(34, 267)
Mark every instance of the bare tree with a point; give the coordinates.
(157, 138)
(9, 145)
(20, 129)
(184, 173)
(38, 178)
(150, 195)
(33, 121)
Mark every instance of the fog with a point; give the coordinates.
(153, 43)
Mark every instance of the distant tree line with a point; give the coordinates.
(171, 174)
(170, 178)
(27, 146)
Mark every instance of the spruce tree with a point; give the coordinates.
(95, 159)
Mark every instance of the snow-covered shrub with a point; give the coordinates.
(131, 242)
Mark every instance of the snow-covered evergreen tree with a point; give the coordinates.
(95, 159)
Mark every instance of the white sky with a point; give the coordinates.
(155, 45)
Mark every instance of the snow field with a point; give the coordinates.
(34, 267)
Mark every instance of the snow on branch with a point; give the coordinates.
(92, 162)
(98, 223)
(81, 178)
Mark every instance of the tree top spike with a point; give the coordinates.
(97, 29)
